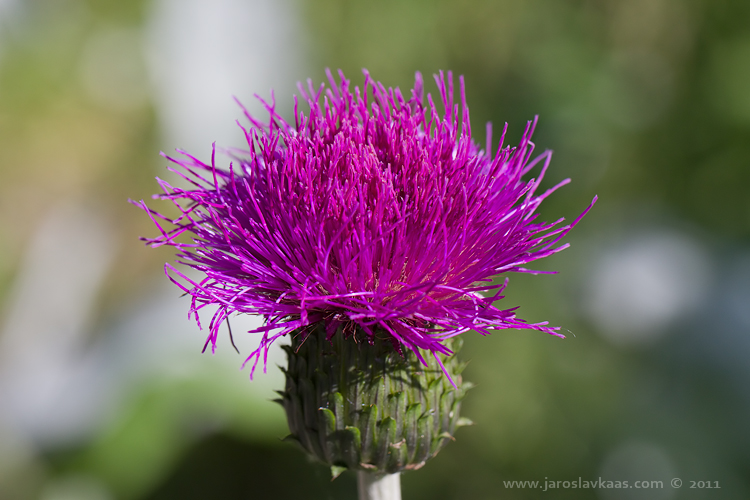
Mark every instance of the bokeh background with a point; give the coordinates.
(103, 391)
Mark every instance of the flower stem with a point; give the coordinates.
(378, 487)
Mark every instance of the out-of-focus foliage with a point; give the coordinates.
(645, 103)
(640, 99)
(58, 141)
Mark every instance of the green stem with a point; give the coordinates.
(378, 486)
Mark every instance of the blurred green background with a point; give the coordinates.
(103, 391)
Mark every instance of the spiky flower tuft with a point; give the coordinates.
(374, 212)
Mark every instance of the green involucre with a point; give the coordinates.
(351, 404)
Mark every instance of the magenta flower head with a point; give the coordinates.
(372, 220)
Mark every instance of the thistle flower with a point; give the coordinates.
(375, 225)
(372, 212)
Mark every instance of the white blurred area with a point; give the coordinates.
(640, 287)
(62, 376)
(201, 53)
(47, 325)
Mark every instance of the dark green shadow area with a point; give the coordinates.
(226, 468)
